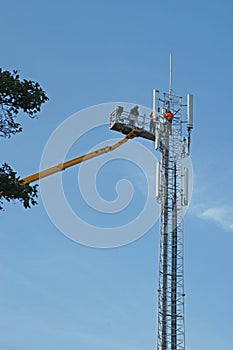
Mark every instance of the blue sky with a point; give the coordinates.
(56, 293)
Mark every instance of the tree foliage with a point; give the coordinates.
(12, 188)
(17, 96)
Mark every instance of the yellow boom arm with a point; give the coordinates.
(62, 166)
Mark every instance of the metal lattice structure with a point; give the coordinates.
(171, 273)
(172, 194)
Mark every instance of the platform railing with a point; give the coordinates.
(125, 118)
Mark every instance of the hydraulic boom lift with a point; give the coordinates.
(62, 166)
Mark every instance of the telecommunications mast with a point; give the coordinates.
(172, 194)
(170, 130)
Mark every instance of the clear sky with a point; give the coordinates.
(57, 294)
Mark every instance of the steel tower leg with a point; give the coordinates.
(174, 267)
(165, 158)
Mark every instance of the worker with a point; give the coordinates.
(119, 111)
(169, 117)
(133, 115)
(152, 122)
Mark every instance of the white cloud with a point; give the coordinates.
(222, 216)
